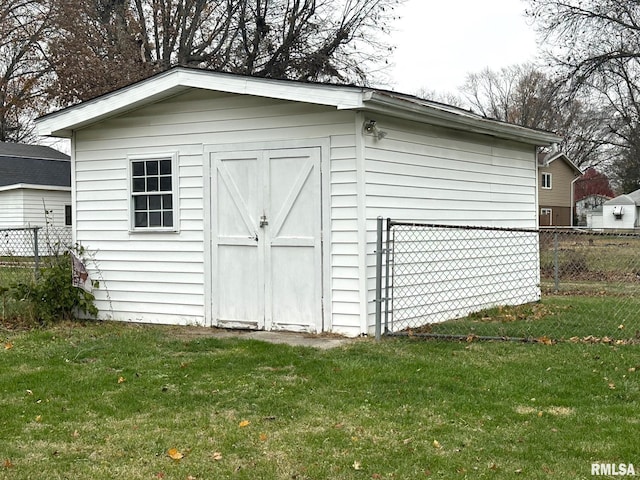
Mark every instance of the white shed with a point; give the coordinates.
(224, 200)
(622, 212)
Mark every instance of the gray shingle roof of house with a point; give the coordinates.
(33, 165)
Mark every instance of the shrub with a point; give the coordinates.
(50, 296)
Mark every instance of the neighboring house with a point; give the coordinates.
(224, 200)
(556, 176)
(587, 206)
(622, 212)
(35, 186)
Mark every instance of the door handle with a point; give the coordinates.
(263, 221)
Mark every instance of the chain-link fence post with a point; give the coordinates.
(379, 278)
(387, 277)
(36, 252)
(556, 263)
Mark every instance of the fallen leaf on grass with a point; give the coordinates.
(39, 418)
(263, 437)
(436, 444)
(75, 434)
(175, 454)
(8, 346)
(357, 465)
(217, 456)
(8, 464)
(121, 380)
(244, 423)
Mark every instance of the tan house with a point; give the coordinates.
(556, 176)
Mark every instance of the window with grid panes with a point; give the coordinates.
(152, 192)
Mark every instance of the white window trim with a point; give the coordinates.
(546, 211)
(175, 188)
(546, 174)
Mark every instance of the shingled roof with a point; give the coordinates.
(33, 165)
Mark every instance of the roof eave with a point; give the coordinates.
(386, 104)
(175, 81)
(32, 186)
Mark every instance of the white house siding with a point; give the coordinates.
(160, 277)
(11, 202)
(26, 206)
(436, 175)
(35, 202)
(628, 220)
(345, 247)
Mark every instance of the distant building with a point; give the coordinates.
(622, 212)
(35, 186)
(588, 205)
(556, 174)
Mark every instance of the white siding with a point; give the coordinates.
(37, 201)
(11, 202)
(24, 206)
(627, 221)
(160, 277)
(435, 175)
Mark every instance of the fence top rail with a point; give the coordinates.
(569, 230)
(19, 229)
(396, 223)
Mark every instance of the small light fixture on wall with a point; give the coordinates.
(371, 128)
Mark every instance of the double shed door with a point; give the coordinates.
(266, 239)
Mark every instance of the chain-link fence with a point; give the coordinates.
(27, 247)
(467, 282)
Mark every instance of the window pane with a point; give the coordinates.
(165, 167)
(140, 202)
(67, 215)
(155, 202)
(167, 202)
(167, 219)
(155, 219)
(138, 184)
(137, 169)
(140, 219)
(165, 184)
(152, 167)
(152, 184)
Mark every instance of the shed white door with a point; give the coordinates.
(266, 236)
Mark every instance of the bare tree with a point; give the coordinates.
(104, 44)
(23, 67)
(595, 47)
(524, 95)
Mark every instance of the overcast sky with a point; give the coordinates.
(440, 41)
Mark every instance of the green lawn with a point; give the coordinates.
(556, 317)
(105, 400)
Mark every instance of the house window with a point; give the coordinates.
(67, 215)
(545, 212)
(153, 189)
(546, 180)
